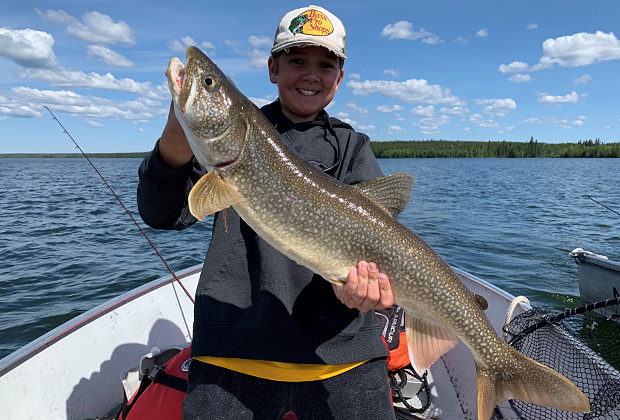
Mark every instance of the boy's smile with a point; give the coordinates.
(307, 79)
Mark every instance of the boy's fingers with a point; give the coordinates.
(385, 289)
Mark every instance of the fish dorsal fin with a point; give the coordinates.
(391, 192)
(211, 194)
(427, 341)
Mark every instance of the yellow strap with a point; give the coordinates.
(278, 371)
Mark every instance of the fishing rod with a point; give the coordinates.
(126, 210)
(610, 209)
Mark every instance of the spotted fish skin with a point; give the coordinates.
(329, 227)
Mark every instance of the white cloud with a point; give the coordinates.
(497, 107)
(578, 123)
(258, 57)
(576, 50)
(571, 98)
(532, 26)
(19, 111)
(388, 109)
(520, 78)
(55, 16)
(506, 130)
(482, 33)
(98, 28)
(391, 72)
(514, 67)
(355, 76)
(28, 48)
(368, 127)
(260, 102)
(405, 30)
(361, 111)
(460, 40)
(95, 124)
(481, 122)
(349, 121)
(582, 49)
(431, 125)
(562, 122)
(78, 79)
(28, 102)
(260, 41)
(180, 46)
(455, 110)
(423, 111)
(394, 129)
(106, 55)
(583, 80)
(409, 91)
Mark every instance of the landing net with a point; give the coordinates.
(584, 347)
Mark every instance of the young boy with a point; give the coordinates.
(271, 337)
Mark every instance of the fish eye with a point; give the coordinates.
(210, 81)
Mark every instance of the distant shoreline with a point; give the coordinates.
(73, 155)
(432, 149)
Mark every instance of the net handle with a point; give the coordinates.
(563, 315)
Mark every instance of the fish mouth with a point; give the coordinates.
(176, 76)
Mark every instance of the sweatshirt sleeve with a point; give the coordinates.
(362, 164)
(163, 192)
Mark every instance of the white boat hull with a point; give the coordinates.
(599, 277)
(74, 371)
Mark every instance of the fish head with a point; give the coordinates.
(209, 108)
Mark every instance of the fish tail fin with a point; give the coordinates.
(529, 381)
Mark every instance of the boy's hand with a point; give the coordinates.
(365, 289)
(174, 150)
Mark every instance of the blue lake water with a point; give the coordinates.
(66, 245)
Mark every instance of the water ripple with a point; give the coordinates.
(66, 245)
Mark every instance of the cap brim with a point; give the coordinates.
(286, 45)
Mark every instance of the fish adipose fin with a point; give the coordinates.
(529, 381)
(211, 194)
(391, 192)
(427, 342)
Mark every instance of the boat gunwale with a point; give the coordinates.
(595, 260)
(36, 346)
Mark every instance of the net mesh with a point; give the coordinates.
(585, 348)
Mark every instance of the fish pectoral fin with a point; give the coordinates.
(482, 303)
(392, 192)
(427, 341)
(211, 194)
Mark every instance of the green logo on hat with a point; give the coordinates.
(297, 24)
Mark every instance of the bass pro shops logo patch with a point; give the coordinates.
(311, 22)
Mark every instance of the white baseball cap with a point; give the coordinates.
(312, 25)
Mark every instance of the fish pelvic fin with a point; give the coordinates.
(529, 381)
(391, 192)
(211, 194)
(427, 341)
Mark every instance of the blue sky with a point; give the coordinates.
(442, 69)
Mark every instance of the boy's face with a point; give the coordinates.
(307, 80)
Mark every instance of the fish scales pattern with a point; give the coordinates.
(329, 227)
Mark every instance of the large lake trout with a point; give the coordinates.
(329, 227)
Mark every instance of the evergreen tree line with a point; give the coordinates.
(493, 149)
